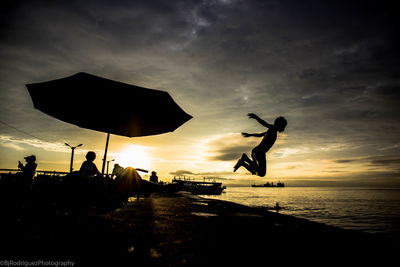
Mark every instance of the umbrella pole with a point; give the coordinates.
(105, 155)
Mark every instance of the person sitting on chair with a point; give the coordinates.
(117, 170)
(88, 167)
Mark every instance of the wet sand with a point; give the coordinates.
(176, 229)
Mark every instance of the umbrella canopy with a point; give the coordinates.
(108, 106)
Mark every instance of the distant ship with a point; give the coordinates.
(199, 187)
(267, 184)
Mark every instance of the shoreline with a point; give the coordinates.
(175, 229)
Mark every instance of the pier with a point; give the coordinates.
(180, 228)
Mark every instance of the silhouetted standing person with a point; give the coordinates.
(28, 171)
(258, 164)
(88, 167)
(277, 207)
(154, 177)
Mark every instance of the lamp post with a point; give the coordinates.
(72, 154)
(108, 162)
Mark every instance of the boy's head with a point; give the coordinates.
(280, 124)
(91, 156)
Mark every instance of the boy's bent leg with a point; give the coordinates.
(261, 172)
(262, 168)
(252, 163)
(248, 167)
(260, 163)
(245, 162)
(245, 158)
(238, 164)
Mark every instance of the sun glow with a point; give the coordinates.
(134, 156)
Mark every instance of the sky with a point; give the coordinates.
(329, 67)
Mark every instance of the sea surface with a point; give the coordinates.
(373, 210)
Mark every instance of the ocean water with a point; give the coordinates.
(373, 210)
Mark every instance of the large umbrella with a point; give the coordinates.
(108, 106)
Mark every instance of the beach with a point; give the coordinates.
(184, 229)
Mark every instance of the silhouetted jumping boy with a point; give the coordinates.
(259, 163)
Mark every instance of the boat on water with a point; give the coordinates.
(199, 187)
(268, 184)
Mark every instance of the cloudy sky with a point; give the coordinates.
(330, 67)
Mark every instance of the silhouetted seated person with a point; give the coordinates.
(117, 170)
(258, 164)
(88, 167)
(28, 171)
(128, 183)
(154, 177)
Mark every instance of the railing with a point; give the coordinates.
(37, 172)
(194, 179)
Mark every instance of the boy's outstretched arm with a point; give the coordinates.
(255, 134)
(261, 121)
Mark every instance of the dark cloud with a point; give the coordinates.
(227, 156)
(230, 153)
(372, 160)
(181, 172)
(344, 161)
(216, 175)
(383, 161)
